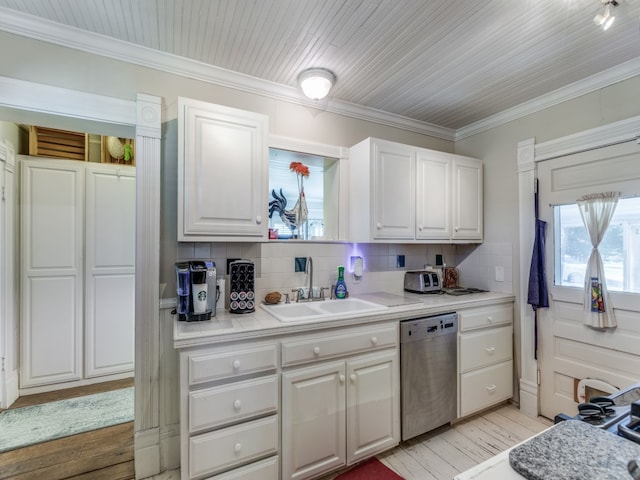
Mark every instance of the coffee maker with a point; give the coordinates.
(196, 290)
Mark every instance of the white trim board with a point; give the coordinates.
(40, 29)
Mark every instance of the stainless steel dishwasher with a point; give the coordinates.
(428, 388)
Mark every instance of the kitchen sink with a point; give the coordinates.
(322, 310)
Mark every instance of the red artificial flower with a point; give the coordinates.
(299, 168)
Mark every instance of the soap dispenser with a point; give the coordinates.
(341, 286)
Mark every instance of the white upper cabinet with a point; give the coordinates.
(222, 173)
(467, 198)
(410, 194)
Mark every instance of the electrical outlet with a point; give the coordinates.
(300, 264)
(499, 274)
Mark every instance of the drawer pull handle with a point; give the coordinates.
(341, 378)
(236, 364)
(316, 350)
(353, 378)
(489, 319)
(490, 350)
(491, 388)
(237, 447)
(374, 340)
(237, 404)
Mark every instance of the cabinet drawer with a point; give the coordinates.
(485, 387)
(485, 316)
(214, 407)
(231, 362)
(485, 347)
(223, 449)
(262, 470)
(322, 346)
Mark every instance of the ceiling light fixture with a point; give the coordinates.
(316, 82)
(605, 18)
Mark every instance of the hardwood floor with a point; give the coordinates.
(447, 451)
(105, 454)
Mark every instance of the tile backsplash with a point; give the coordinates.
(275, 263)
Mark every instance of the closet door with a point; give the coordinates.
(52, 279)
(110, 269)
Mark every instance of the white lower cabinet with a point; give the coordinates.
(485, 361)
(337, 413)
(229, 422)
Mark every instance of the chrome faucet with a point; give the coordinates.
(309, 270)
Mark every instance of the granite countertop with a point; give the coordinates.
(574, 450)
(226, 326)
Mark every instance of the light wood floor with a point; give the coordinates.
(105, 454)
(447, 451)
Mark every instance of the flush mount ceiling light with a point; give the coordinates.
(605, 18)
(316, 82)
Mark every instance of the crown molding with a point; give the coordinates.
(590, 84)
(41, 29)
(47, 31)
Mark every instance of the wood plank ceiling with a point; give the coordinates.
(445, 62)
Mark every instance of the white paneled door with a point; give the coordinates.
(109, 269)
(78, 248)
(52, 232)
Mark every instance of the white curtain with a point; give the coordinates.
(596, 210)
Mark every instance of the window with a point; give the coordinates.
(620, 247)
(320, 189)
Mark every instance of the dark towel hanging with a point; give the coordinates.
(538, 295)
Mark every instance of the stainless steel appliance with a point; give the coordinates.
(428, 355)
(423, 281)
(618, 413)
(196, 290)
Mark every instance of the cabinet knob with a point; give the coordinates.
(237, 404)
(379, 226)
(489, 319)
(237, 447)
(490, 350)
(491, 388)
(353, 378)
(259, 219)
(341, 378)
(420, 227)
(374, 340)
(457, 228)
(316, 350)
(236, 364)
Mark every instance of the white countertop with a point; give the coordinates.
(226, 326)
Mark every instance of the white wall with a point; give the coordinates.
(497, 147)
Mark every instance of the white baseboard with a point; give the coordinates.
(170, 448)
(147, 453)
(11, 389)
(529, 398)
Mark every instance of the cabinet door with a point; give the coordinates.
(433, 195)
(52, 239)
(222, 173)
(109, 269)
(313, 420)
(467, 199)
(373, 406)
(394, 192)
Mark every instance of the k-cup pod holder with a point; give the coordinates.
(242, 287)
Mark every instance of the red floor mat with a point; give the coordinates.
(372, 469)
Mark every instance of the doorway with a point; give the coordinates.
(32, 103)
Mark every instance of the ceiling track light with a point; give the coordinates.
(605, 18)
(316, 82)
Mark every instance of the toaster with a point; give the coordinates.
(424, 281)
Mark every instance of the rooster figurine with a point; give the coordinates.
(291, 218)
